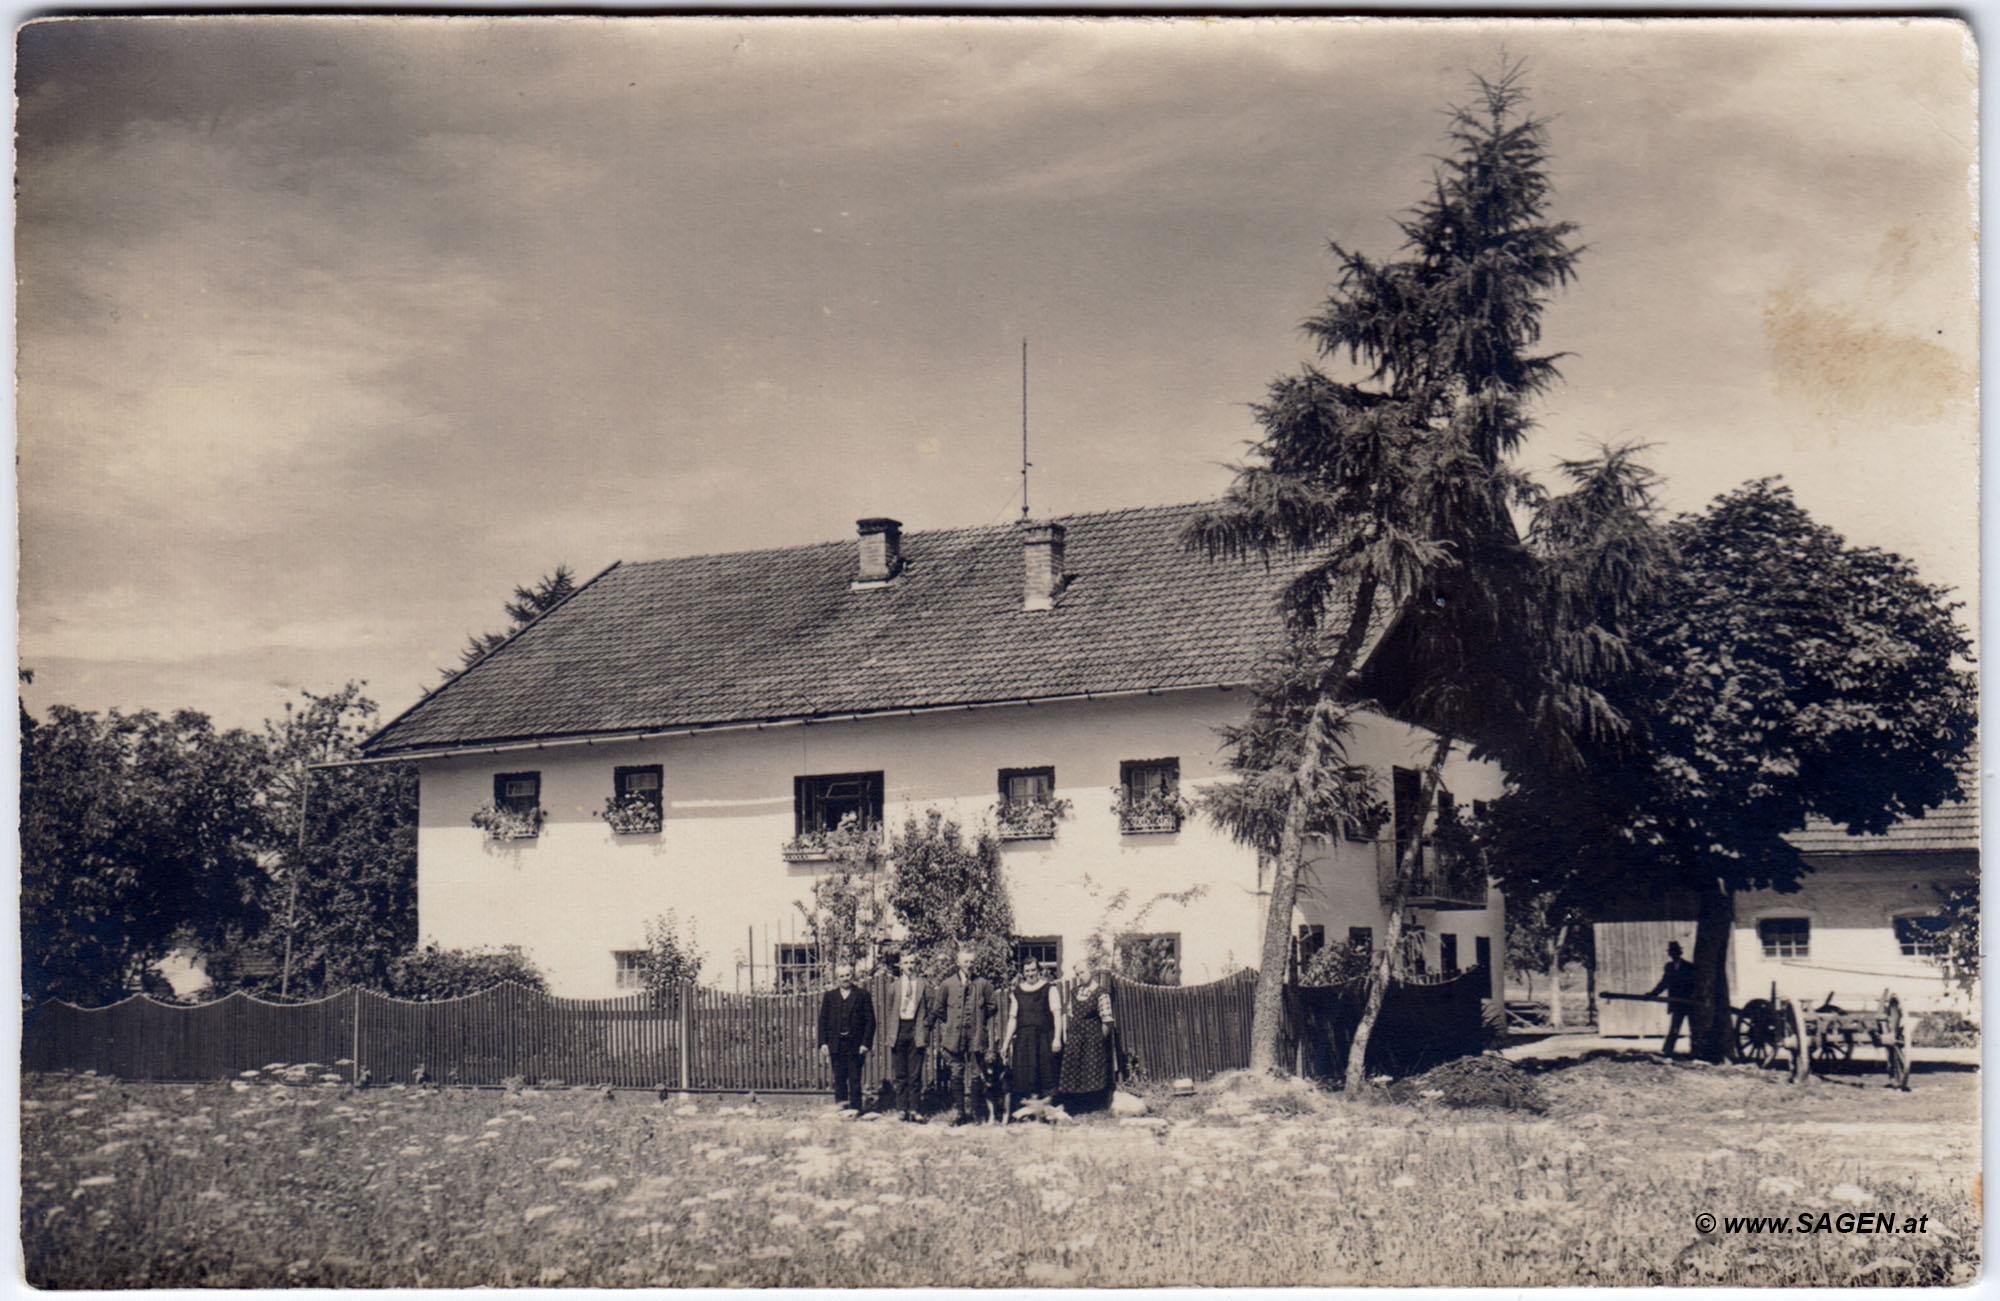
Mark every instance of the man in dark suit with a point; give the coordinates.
(846, 1030)
(964, 1008)
(910, 1012)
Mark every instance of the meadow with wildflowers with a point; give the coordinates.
(263, 1182)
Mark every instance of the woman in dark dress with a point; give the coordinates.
(1034, 1035)
(1086, 1061)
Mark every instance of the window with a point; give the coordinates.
(630, 969)
(1150, 959)
(1785, 937)
(515, 812)
(517, 792)
(1149, 796)
(1312, 938)
(1920, 936)
(636, 800)
(1361, 938)
(797, 966)
(1448, 954)
(1406, 785)
(1045, 949)
(822, 803)
(1482, 951)
(1028, 808)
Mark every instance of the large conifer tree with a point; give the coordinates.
(1393, 493)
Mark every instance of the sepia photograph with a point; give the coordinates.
(981, 652)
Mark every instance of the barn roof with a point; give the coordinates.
(1950, 827)
(786, 634)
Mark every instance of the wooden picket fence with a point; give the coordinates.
(696, 1039)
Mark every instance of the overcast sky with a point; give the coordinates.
(331, 331)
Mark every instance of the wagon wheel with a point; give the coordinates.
(1801, 1041)
(1836, 1042)
(1892, 1039)
(1757, 1033)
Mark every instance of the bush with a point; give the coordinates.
(431, 974)
(1943, 1030)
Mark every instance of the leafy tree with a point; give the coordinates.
(431, 974)
(671, 959)
(948, 891)
(1394, 497)
(528, 605)
(138, 833)
(849, 917)
(1961, 932)
(1544, 931)
(344, 849)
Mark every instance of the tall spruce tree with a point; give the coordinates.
(1393, 495)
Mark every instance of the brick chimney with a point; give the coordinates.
(881, 550)
(1042, 565)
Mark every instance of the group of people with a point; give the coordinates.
(1006, 1046)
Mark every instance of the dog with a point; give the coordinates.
(993, 1098)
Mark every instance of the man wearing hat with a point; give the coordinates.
(1677, 983)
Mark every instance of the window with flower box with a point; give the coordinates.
(828, 808)
(635, 806)
(1028, 807)
(1149, 797)
(515, 812)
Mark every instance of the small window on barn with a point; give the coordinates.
(1785, 937)
(798, 967)
(1921, 936)
(629, 969)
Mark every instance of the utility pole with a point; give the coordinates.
(298, 870)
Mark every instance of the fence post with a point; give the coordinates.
(354, 1012)
(686, 998)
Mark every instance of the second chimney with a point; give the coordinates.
(1042, 565)
(881, 550)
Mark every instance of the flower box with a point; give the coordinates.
(631, 815)
(501, 822)
(1150, 812)
(1033, 819)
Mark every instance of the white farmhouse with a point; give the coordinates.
(736, 706)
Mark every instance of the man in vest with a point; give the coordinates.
(910, 1005)
(846, 1031)
(964, 1006)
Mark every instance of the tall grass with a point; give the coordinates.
(146, 1185)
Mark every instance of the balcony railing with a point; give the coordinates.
(1440, 881)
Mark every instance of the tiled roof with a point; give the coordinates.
(766, 635)
(1953, 826)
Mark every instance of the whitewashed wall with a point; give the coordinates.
(579, 892)
(1852, 952)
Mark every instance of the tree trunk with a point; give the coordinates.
(1267, 1008)
(1711, 1031)
(1387, 960)
(1555, 978)
(1267, 1005)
